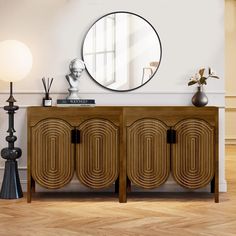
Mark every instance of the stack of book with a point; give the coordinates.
(75, 102)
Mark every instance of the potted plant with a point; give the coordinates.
(200, 99)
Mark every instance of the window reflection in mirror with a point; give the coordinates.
(121, 51)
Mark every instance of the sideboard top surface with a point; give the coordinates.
(126, 114)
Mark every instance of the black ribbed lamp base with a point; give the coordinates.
(11, 187)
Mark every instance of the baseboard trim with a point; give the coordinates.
(75, 186)
(230, 141)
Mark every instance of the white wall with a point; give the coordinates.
(191, 32)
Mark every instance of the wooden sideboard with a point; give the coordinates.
(141, 145)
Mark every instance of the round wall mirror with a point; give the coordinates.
(122, 51)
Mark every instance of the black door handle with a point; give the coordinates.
(75, 136)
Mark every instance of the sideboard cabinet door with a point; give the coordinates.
(148, 159)
(193, 153)
(97, 153)
(52, 153)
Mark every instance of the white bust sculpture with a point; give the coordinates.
(76, 68)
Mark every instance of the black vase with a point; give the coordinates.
(199, 99)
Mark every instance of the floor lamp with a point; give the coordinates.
(15, 64)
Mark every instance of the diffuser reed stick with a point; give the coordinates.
(47, 101)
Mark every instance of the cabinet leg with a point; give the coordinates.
(216, 189)
(127, 188)
(29, 193)
(217, 198)
(117, 185)
(28, 197)
(122, 190)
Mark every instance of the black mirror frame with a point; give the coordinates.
(127, 90)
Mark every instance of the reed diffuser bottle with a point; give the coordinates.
(47, 100)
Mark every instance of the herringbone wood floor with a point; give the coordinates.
(159, 214)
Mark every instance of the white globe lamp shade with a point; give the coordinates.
(15, 60)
